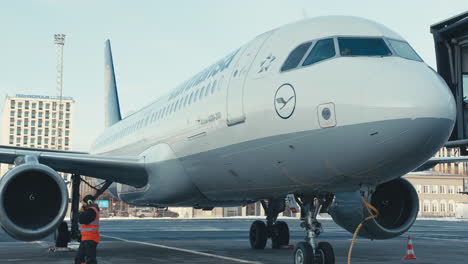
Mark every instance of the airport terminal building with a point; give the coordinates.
(439, 193)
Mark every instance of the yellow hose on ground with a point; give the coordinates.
(374, 214)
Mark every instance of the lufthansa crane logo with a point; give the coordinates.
(285, 101)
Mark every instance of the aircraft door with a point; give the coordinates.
(235, 90)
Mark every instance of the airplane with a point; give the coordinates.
(329, 111)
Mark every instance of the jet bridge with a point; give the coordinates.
(451, 46)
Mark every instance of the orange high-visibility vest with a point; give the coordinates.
(91, 231)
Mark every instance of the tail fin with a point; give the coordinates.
(111, 97)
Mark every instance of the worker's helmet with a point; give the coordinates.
(89, 199)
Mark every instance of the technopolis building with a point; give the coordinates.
(36, 121)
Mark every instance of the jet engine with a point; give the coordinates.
(396, 201)
(33, 201)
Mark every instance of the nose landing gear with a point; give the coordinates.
(278, 231)
(311, 252)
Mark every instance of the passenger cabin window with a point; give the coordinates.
(169, 110)
(195, 96)
(181, 101)
(323, 49)
(202, 92)
(213, 87)
(190, 99)
(207, 89)
(363, 47)
(404, 50)
(295, 56)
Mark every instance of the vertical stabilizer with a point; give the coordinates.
(111, 97)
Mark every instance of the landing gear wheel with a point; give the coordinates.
(311, 252)
(325, 254)
(279, 234)
(303, 254)
(62, 235)
(258, 235)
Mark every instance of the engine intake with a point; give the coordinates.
(33, 201)
(397, 202)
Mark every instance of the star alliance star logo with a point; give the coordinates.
(285, 101)
(266, 64)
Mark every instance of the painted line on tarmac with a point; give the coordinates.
(40, 244)
(442, 239)
(184, 250)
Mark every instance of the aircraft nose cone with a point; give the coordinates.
(413, 110)
(435, 100)
(408, 90)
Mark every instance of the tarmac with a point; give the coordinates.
(226, 241)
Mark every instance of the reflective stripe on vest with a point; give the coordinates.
(91, 230)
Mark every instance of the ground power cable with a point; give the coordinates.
(374, 213)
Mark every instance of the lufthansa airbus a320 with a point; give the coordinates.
(329, 111)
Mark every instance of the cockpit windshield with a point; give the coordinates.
(295, 56)
(404, 50)
(316, 51)
(363, 47)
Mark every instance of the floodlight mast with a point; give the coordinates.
(59, 40)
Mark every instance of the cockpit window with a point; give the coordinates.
(404, 50)
(295, 56)
(323, 49)
(363, 47)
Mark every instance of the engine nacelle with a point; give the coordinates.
(397, 202)
(33, 201)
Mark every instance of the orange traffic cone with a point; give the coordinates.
(409, 249)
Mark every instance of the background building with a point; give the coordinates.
(254, 209)
(439, 193)
(36, 121)
(460, 168)
(439, 189)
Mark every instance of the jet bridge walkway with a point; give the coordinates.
(451, 48)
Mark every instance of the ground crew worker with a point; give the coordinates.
(89, 220)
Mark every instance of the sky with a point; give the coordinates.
(157, 45)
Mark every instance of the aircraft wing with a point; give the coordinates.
(438, 160)
(121, 169)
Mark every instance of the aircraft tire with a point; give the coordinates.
(258, 235)
(303, 253)
(279, 234)
(325, 253)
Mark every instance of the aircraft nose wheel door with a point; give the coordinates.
(235, 91)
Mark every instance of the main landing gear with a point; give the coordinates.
(311, 252)
(63, 234)
(278, 231)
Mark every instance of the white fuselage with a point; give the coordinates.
(244, 130)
